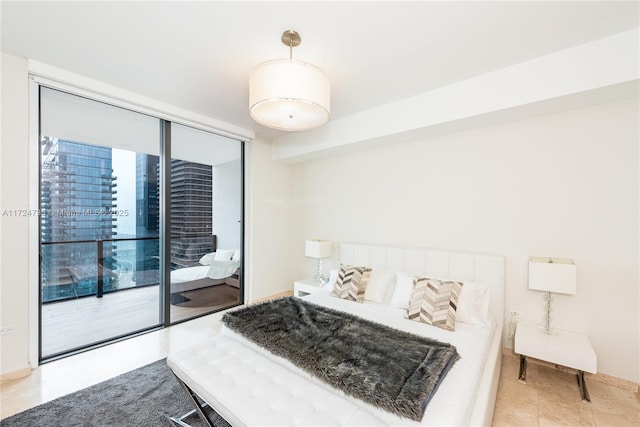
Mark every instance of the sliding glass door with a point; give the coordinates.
(206, 222)
(102, 216)
(99, 239)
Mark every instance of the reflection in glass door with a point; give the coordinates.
(206, 223)
(99, 240)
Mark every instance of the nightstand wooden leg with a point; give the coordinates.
(582, 385)
(522, 375)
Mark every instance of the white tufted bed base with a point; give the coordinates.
(248, 386)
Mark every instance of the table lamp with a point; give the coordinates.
(318, 249)
(552, 275)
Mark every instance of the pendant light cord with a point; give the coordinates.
(291, 49)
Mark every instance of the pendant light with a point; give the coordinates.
(287, 94)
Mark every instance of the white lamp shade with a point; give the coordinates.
(287, 94)
(557, 275)
(318, 248)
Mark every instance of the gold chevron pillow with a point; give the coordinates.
(435, 302)
(351, 282)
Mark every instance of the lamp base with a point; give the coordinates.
(546, 328)
(319, 278)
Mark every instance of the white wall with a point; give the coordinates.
(272, 223)
(14, 231)
(561, 185)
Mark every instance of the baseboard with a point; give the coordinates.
(15, 375)
(274, 296)
(601, 378)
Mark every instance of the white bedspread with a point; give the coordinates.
(217, 270)
(222, 269)
(189, 273)
(249, 386)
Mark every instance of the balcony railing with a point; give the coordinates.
(79, 268)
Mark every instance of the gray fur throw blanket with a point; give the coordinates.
(391, 369)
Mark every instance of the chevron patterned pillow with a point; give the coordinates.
(351, 282)
(435, 302)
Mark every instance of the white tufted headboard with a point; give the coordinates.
(487, 269)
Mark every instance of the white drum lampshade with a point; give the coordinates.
(557, 275)
(289, 95)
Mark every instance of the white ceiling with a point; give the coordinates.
(198, 55)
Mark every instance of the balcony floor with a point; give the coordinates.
(80, 322)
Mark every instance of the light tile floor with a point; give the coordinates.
(550, 397)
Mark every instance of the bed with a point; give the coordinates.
(247, 385)
(208, 272)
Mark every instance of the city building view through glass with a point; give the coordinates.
(99, 219)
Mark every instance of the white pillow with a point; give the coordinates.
(236, 255)
(402, 292)
(223, 255)
(390, 290)
(473, 304)
(207, 258)
(333, 276)
(379, 282)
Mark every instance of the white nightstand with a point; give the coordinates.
(305, 287)
(563, 348)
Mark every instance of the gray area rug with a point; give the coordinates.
(145, 397)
